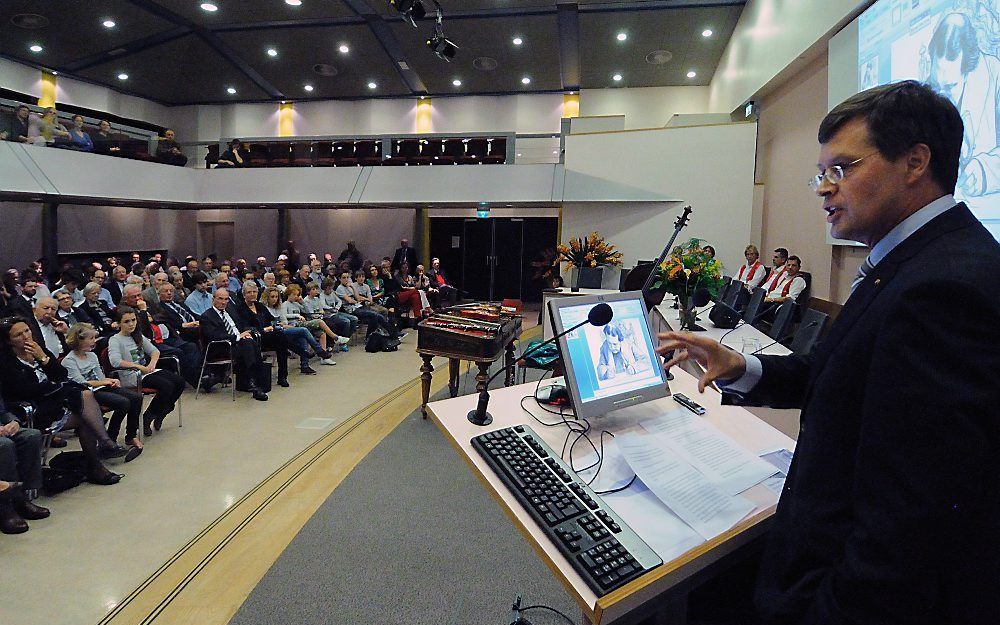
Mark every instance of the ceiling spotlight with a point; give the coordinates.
(272, 52)
(621, 37)
(423, 97)
(123, 76)
(231, 90)
(372, 85)
(617, 78)
(208, 6)
(409, 10)
(293, 3)
(457, 82)
(692, 74)
(55, 73)
(518, 41)
(442, 47)
(343, 48)
(35, 48)
(526, 80)
(109, 23)
(308, 87)
(707, 32)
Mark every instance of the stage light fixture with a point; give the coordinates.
(444, 48)
(409, 10)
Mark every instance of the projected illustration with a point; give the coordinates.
(953, 45)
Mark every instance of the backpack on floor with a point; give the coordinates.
(65, 470)
(380, 341)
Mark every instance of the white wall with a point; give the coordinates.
(20, 78)
(770, 36)
(644, 107)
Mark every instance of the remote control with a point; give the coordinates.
(688, 403)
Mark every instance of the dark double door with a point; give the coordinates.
(491, 258)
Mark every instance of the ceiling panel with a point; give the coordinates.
(301, 48)
(537, 57)
(241, 11)
(182, 71)
(677, 31)
(74, 30)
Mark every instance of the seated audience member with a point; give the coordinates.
(284, 280)
(374, 320)
(104, 294)
(96, 311)
(23, 304)
(423, 283)
(47, 329)
(791, 285)
(169, 151)
(104, 142)
(344, 324)
(170, 344)
(21, 470)
(363, 293)
(440, 281)
(778, 272)
(47, 129)
(352, 255)
(710, 251)
(315, 271)
(232, 157)
(152, 294)
(118, 276)
(180, 291)
(299, 313)
(303, 278)
(752, 273)
(83, 367)
(135, 357)
(250, 314)
(271, 299)
(189, 270)
(216, 324)
(30, 373)
(377, 286)
(180, 319)
(19, 126)
(70, 281)
(65, 311)
(79, 139)
(232, 283)
(199, 300)
(268, 280)
(409, 295)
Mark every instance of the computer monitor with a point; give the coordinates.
(612, 366)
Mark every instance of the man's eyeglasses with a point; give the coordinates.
(835, 174)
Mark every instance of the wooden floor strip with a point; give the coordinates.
(212, 575)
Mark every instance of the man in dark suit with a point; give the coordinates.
(117, 285)
(23, 304)
(216, 324)
(405, 254)
(891, 510)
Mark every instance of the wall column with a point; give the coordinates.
(50, 237)
(284, 228)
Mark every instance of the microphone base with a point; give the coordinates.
(669, 377)
(475, 419)
(694, 327)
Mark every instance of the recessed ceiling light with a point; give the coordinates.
(621, 36)
(208, 6)
(519, 154)
(707, 32)
(308, 87)
(526, 81)
(617, 78)
(692, 74)
(457, 82)
(555, 151)
(343, 48)
(231, 90)
(109, 23)
(35, 48)
(518, 41)
(123, 76)
(55, 73)
(372, 85)
(294, 3)
(423, 97)
(272, 52)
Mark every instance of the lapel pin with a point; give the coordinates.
(877, 281)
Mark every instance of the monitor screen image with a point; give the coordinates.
(953, 45)
(613, 365)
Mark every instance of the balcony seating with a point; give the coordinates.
(279, 154)
(258, 155)
(423, 155)
(302, 154)
(475, 151)
(452, 150)
(343, 154)
(368, 152)
(496, 151)
(397, 157)
(323, 154)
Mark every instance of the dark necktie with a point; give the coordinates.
(177, 308)
(862, 272)
(230, 328)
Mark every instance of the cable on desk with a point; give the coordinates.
(545, 607)
(619, 489)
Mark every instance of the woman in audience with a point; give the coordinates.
(284, 281)
(136, 358)
(363, 293)
(84, 367)
(271, 299)
(29, 373)
(79, 139)
(377, 286)
(65, 312)
(409, 295)
(423, 282)
(710, 251)
(95, 311)
(46, 130)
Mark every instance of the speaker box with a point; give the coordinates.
(724, 316)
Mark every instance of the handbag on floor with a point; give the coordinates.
(65, 470)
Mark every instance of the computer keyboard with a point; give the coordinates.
(599, 545)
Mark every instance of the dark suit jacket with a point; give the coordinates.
(116, 292)
(891, 510)
(212, 327)
(407, 254)
(19, 307)
(85, 313)
(172, 319)
(19, 382)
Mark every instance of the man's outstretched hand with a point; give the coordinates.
(718, 361)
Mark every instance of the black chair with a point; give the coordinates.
(218, 353)
(782, 320)
(726, 281)
(368, 152)
(475, 151)
(732, 292)
(302, 155)
(496, 151)
(808, 332)
(323, 154)
(753, 306)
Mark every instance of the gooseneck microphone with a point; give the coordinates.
(742, 322)
(599, 315)
(785, 338)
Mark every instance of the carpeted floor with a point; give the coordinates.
(410, 537)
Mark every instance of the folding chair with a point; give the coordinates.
(217, 359)
(174, 365)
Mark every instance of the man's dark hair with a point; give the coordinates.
(780, 251)
(901, 115)
(796, 259)
(198, 277)
(955, 35)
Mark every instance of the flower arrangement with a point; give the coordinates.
(593, 251)
(689, 268)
